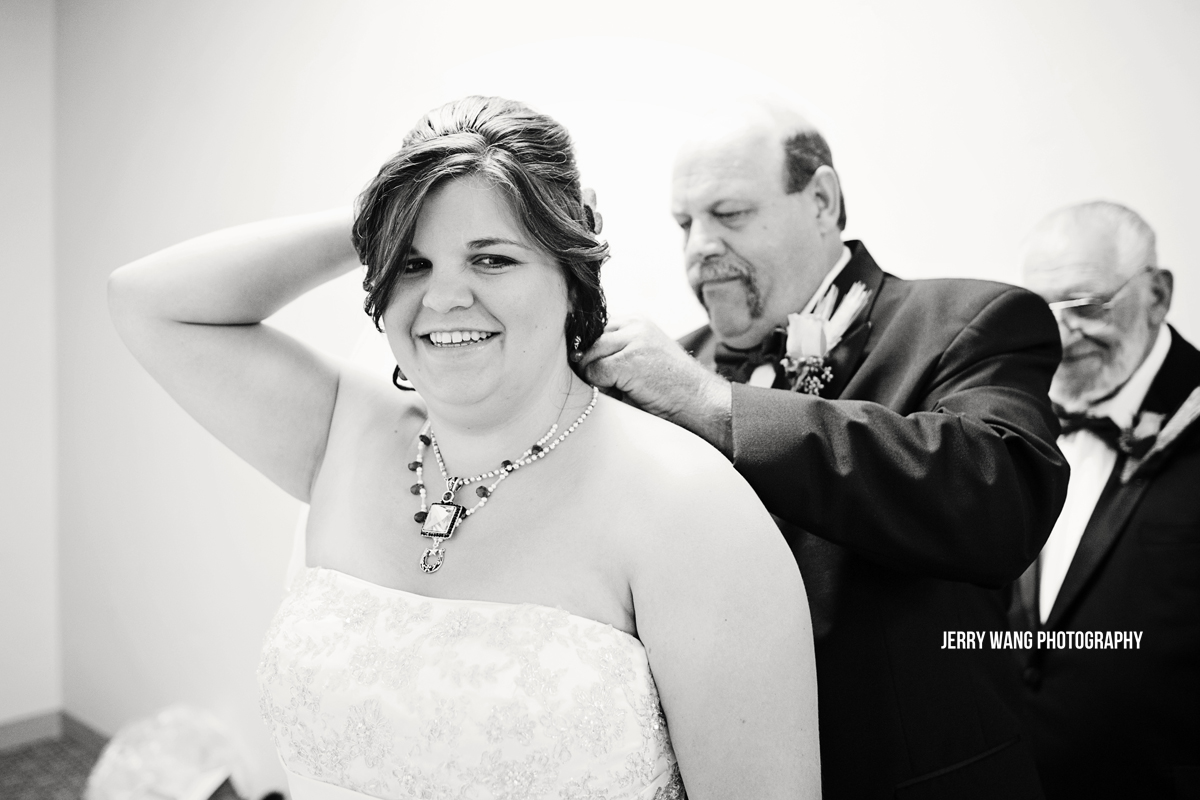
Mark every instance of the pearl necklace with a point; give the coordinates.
(439, 520)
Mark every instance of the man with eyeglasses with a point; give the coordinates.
(1121, 719)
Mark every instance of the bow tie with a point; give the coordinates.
(737, 365)
(1105, 429)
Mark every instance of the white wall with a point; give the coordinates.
(30, 672)
(955, 127)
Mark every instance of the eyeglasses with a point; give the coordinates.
(1092, 312)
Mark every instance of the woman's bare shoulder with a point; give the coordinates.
(703, 560)
(369, 407)
(676, 471)
(663, 441)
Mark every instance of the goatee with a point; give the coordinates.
(730, 266)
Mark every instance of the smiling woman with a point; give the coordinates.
(590, 607)
(461, 324)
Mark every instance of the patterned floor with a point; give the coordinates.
(57, 769)
(52, 769)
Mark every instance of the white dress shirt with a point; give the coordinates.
(1092, 461)
(828, 280)
(764, 374)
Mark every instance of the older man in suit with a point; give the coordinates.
(900, 432)
(1124, 556)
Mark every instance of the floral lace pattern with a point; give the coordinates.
(396, 695)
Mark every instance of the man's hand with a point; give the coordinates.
(658, 376)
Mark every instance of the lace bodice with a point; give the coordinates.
(396, 695)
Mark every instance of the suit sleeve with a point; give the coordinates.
(966, 486)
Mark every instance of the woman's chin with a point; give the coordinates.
(459, 365)
(457, 388)
(479, 375)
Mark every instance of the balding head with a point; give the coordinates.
(1116, 237)
(1106, 252)
(769, 122)
(761, 208)
(727, 117)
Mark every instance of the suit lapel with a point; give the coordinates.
(1178, 376)
(1117, 502)
(1027, 595)
(844, 359)
(1174, 393)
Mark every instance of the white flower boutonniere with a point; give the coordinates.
(811, 335)
(1148, 424)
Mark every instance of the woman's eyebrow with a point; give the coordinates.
(476, 244)
(491, 241)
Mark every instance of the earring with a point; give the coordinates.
(573, 342)
(400, 381)
(594, 220)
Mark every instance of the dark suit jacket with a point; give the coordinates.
(1126, 723)
(934, 474)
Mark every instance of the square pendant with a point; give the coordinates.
(442, 519)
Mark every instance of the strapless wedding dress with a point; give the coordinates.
(376, 692)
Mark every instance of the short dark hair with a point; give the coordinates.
(803, 153)
(527, 155)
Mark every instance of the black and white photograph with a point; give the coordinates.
(623, 401)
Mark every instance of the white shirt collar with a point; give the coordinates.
(1122, 408)
(830, 277)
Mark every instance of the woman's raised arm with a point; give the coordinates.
(191, 315)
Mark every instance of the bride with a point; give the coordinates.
(515, 587)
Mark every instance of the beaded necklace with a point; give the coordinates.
(439, 520)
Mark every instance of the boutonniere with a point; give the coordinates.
(1138, 440)
(1155, 436)
(1149, 423)
(813, 334)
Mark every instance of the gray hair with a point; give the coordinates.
(1133, 239)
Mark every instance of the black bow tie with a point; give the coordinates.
(737, 365)
(1103, 427)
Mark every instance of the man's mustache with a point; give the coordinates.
(1085, 345)
(726, 267)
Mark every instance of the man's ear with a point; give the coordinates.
(827, 197)
(1162, 286)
